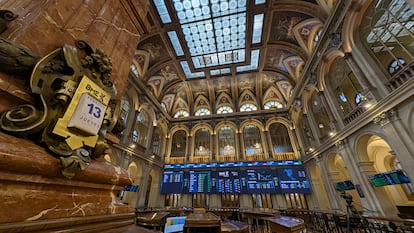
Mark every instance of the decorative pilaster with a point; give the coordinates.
(385, 118)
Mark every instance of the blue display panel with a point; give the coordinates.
(228, 181)
(389, 178)
(199, 182)
(234, 164)
(260, 181)
(172, 182)
(293, 180)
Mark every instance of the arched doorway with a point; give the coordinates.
(376, 156)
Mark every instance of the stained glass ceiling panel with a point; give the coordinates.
(214, 32)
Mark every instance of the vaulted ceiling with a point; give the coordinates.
(207, 52)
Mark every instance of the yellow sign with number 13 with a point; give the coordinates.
(83, 118)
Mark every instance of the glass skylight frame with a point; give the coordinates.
(213, 34)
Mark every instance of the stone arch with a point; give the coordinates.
(154, 188)
(376, 156)
(318, 186)
(135, 171)
(338, 172)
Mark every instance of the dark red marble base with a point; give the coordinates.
(32, 187)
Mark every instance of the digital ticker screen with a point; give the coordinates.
(227, 181)
(199, 182)
(172, 182)
(293, 180)
(260, 181)
(238, 177)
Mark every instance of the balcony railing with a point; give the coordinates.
(324, 221)
(174, 160)
(406, 73)
(285, 156)
(255, 157)
(226, 158)
(201, 159)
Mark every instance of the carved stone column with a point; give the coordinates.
(356, 69)
(146, 170)
(399, 139)
(370, 201)
(265, 144)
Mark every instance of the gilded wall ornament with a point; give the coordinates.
(75, 108)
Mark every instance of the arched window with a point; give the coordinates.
(157, 141)
(181, 114)
(272, 105)
(252, 140)
(202, 112)
(320, 115)
(395, 65)
(202, 143)
(179, 144)
(141, 129)
(387, 32)
(224, 109)
(248, 107)
(226, 141)
(281, 144)
(163, 106)
(125, 112)
(134, 70)
(348, 91)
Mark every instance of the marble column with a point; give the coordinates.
(358, 173)
(399, 139)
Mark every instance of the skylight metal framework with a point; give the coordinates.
(214, 32)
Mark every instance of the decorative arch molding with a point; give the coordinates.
(229, 124)
(351, 21)
(133, 95)
(201, 101)
(307, 97)
(254, 122)
(156, 83)
(247, 96)
(285, 87)
(287, 123)
(366, 142)
(201, 126)
(162, 124)
(273, 94)
(176, 128)
(326, 5)
(307, 40)
(180, 104)
(150, 111)
(141, 62)
(223, 99)
(325, 66)
(135, 170)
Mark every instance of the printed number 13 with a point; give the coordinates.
(94, 110)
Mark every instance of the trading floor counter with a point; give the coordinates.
(203, 221)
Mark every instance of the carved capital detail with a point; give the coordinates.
(5, 17)
(385, 117)
(75, 108)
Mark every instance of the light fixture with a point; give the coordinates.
(367, 105)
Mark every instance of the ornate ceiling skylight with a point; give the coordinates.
(214, 32)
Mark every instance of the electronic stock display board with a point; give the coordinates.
(236, 177)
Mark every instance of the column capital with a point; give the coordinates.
(385, 117)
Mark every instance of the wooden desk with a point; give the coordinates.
(285, 224)
(154, 220)
(234, 227)
(202, 223)
(257, 218)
